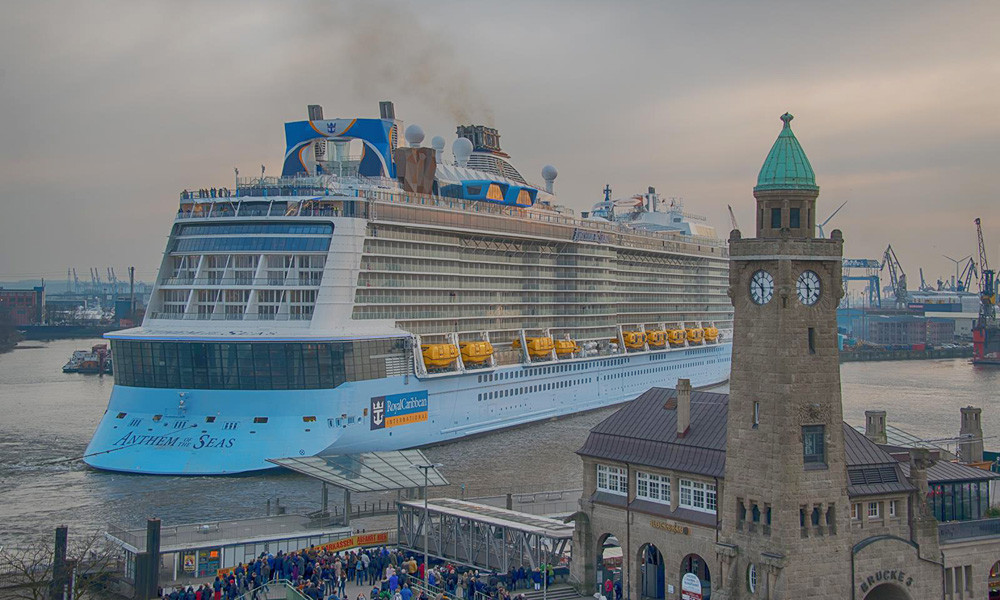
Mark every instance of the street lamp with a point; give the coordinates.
(427, 524)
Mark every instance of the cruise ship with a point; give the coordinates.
(380, 296)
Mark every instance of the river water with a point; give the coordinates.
(47, 417)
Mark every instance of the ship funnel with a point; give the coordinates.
(414, 135)
(437, 142)
(549, 174)
(462, 149)
(652, 199)
(315, 112)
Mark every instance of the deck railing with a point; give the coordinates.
(962, 530)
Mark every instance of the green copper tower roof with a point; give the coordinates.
(786, 166)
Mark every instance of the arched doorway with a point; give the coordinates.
(887, 591)
(653, 575)
(696, 565)
(609, 564)
(994, 581)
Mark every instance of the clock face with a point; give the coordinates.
(761, 287)
(808, 288)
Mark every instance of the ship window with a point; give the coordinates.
(793, 217)
(156, 418)
(775, 218)
(210, 419)
(261, 419)
(308, 419)
(121, 415)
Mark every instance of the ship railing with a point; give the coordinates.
(302, 280)
(223, 316)
(386, 190)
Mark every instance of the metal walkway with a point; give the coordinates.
(482, 536)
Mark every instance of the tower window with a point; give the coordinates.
(813, 445)
(793, 217)
(812, 341)
(775, 218)
(756, 414)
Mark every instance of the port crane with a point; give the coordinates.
(987, 293)
(897, 278)
(965, 279)
(871, 269)
(986, 333)
(732, 217)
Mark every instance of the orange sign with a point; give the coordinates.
(364, 539)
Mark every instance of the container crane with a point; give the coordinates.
(986, 333)
(732, 217)
(897, 278)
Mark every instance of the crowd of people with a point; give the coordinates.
(391, 573)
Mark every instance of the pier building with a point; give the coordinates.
(766, 492)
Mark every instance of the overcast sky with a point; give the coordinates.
(109, 109)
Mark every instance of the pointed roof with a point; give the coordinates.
(786, 166)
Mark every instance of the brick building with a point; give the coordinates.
(22, 306)
(765, 492)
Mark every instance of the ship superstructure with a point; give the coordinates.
(389, 299)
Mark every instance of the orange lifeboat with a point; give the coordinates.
(676, 337)
(695, 335)
(656, 339)
(634, 340)
(439, 355)
(537, 346)
(711, 334)
(476, 353)
(566, 347)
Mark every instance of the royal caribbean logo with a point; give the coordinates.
(399, 409)
(331, 128)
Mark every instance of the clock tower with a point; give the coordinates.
(785, 510)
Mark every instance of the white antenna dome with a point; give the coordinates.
(549, 174)
(437, 142)
(414, 135)
(462, 149)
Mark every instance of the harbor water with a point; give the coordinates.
(47, 418)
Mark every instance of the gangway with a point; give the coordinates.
(481, 536)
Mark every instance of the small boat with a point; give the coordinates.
(634, 340)
(476, 353)
(656, 339)
(439, 355)
(566, 347)
(537, 346)
(695, 335)
(676, 337)
(95, 361)
(711, 334)
(74, 361)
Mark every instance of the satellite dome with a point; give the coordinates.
(549, 174)
(437, 142)
(414, 135)
(462, 149)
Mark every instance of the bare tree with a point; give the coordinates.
(25, 572)
(93, 563)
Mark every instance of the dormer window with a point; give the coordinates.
(612, 479)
